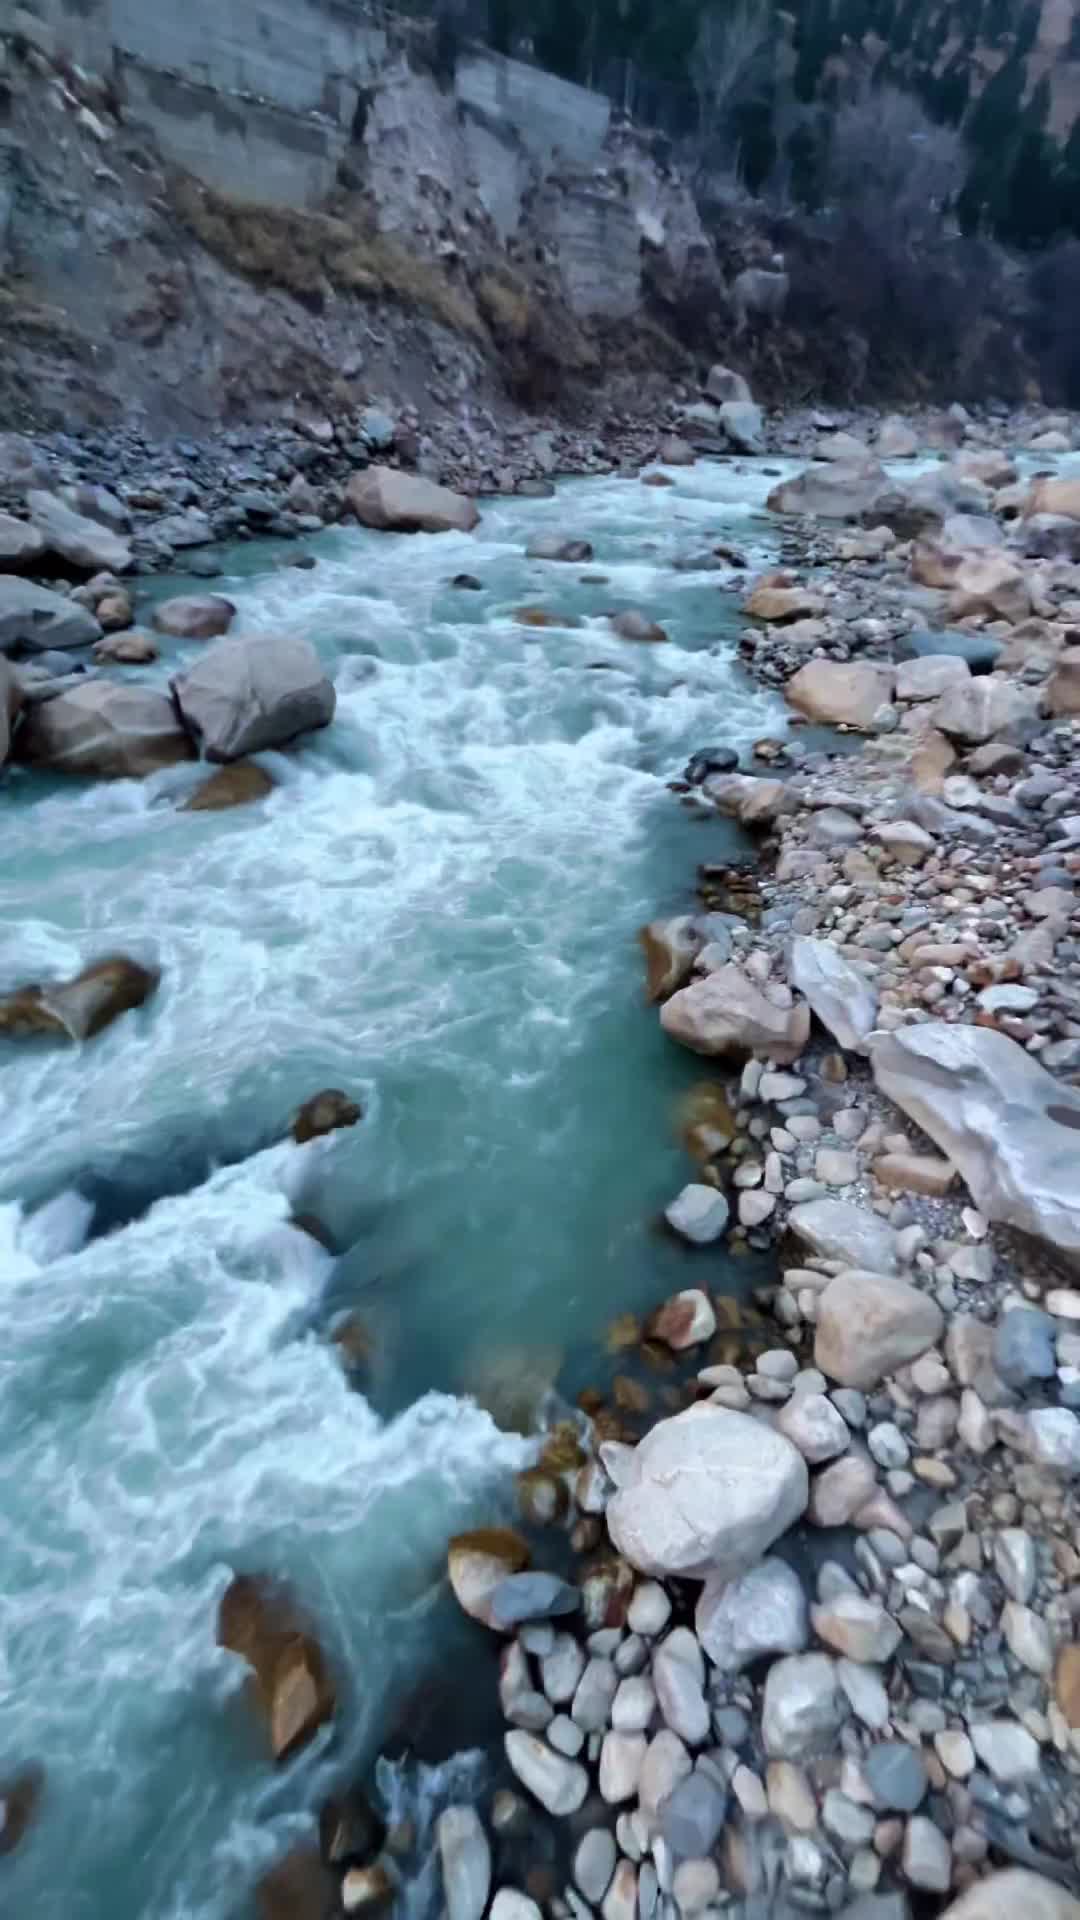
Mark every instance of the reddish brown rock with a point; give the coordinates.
(324, 1113)
(295, 1694)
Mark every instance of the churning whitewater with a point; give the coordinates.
(435, 909)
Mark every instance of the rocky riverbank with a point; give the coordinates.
(823, 1651)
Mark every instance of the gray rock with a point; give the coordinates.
(841, 997)
(559, 1784)
(666, 1762)
(634, 1704)
(1014, 1563)
(509, 1904)
(465, 1858)
(188, 528)
(594, 1864)
(563, 1735)
(679, 1677)
(927, 1857)
(247, 694)
(1024, 1347)
(763, 1611)
(394, 502)
(649, 1610)
(554, 546)
(692, 1816)
(849, 1823)
(595, 1692)
(103, 729)
(840, 1230)
(1006, 1123)
(698, 1213)
(531, 1596)
(708, 1490)
(33, 619)
(980, 650)
(865, 1693)
(83, 543)
(1006, 1749)
(561, 1669)
(979, 709)
(20, 543)
(896, 1775)
(743, 424)
(622, 1762)
(803, 1707)
(815, 1426)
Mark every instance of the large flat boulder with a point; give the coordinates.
(1057, 494)
(979, 709)
(248, 694)
(84, 543)
(21, 545)
(868, 1324)
(292, 1684)
(104, 729)
(726, 1013)
(838, 490)
(840, 996)
(1010, 1127)
(394, 502)
(34, 619)
(1012, 1893)
(706, 1492)
(847, 693)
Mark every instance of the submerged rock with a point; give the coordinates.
(81, 1007)
(236, 785)
(261, 1623)
(300, 1887)
(84, 543)
(20, 1797)
(246, 695)
(324, 1113)
(706, 1491)
(394, 502)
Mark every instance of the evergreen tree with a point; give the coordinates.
(1027, 30)
(952, 91)
(752, 125)
(1027, 214)
(804, 153)
(813, 41)
(1037, 111)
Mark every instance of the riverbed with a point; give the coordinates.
(435, 910)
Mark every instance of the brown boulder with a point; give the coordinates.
(634, 625)
(81, 1007)
(20, 1796)
(324, 1113)
(476, 1563)
(989, 585)
(869, 1324)
(298, 1888)
(233, 786)
(292, 1685)
(114, 611)
(394, 502)
(1062, 693)
(116, 732)
(841, 693)
(781, 605)
(727, 1013)
(1058, 495)
(194, 616)
(125, 649)
(671, 947)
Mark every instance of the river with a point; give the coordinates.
(434, 910)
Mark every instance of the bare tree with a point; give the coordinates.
(726, 60)
(888, 163)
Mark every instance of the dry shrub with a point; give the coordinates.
(540, 340)
(305, 253)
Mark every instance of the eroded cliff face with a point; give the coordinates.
(198, 225)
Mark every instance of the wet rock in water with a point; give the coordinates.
(351, 1832)
(671, 947)
(869, 1324)
(674, 451)
(803, 1707)
(1011, 1893)
(324, 1113)
(261, 1623)
(700, 1214)
(840, 1230)
(541, 1496)
(634, 625)
(20, 1797)
(1008, 1125)
(543, 617)
(555, 546)
(467, 583)
(365, 1890)
(85, 544)
(710, 760)
(839, 995)
(979, 709)
(125, 649)
(465, 1859)
(194, 616)
(687, 1318)
(245, 695)
(81, 1007)
(478, 1562)
(34, 619)
(11, 699)
(842, 490)
(559, 1784)
(707, 1491)
(727, 1013)
(236, 785)
(394, 502)
(530, 1596)
(763, 1611)
(104, 729)
(300, 1887)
